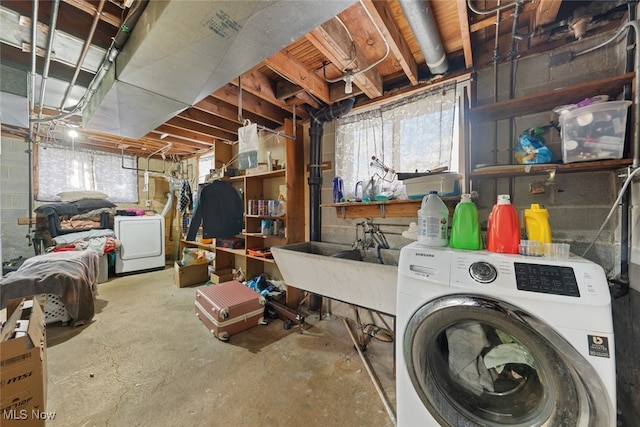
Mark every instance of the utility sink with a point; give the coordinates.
(312, 266)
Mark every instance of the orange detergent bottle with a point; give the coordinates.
(503, 233)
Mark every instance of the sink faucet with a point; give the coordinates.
(373, 237)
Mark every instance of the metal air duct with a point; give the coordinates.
(182, 51)
(423, 25)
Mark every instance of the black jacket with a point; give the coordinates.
(220, 209)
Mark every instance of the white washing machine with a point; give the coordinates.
(495, 339)
(142, 242)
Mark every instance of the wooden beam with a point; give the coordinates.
(333, 41)
(253, 105)
(546, 12)
(200, 127)
(89, 8)
(177, 141)
(226, 113)
(305, 98)
(285, 89)
(261, 86)
(185, 134)
(463, 20)
(294, 71)
(381, 13)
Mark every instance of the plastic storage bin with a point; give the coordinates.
(446, 184)
(54, 309)
(594, 132)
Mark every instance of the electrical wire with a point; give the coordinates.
(387, 50)
(613, 208)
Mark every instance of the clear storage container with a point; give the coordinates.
(446, 184)
(594, 132)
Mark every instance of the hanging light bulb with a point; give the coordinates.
(348, 80)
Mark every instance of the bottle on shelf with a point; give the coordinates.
(465, 228)
(433, 221)
(536, 220)
(503, 227)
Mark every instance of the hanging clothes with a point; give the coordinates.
(186, 198)
(220, 210)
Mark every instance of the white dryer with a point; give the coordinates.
(141, 242)
(494, 339)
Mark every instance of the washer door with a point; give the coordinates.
(479, 361)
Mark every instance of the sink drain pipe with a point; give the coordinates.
(318, 119)
(372, 375)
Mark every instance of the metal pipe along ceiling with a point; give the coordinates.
(423, 25)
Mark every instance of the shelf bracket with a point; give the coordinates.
(344, 212)
(382, 210)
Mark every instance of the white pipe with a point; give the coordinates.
(492, 9)
(47, 60)
(168, 205)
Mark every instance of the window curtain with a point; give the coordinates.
(206, 163)
(415, 133)
(65, 169)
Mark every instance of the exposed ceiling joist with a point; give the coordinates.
(307, 71)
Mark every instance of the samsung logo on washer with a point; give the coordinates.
(424, 255)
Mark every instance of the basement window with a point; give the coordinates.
(417, 133)
(206, 163)
(66, 169)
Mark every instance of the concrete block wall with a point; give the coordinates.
(14, 198)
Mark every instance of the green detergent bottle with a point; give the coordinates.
(465, 232)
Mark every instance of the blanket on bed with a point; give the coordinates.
(73, 276)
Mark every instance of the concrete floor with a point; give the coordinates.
(146, 360)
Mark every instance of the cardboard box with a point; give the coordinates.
(222, 275)
(190, 274)
(23, 377)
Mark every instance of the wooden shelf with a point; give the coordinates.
(263, 259)
(539, 169)
(231, 250)
(384, 209)
(271, 174)
(266, 186)
(547, 101)
(191, 244)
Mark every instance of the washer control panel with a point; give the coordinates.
(483, 272)
(548, 279)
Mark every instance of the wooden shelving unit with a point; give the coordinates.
(540, 169)
(538, 103)
(265, 186)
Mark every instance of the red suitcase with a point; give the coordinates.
(229, 308)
